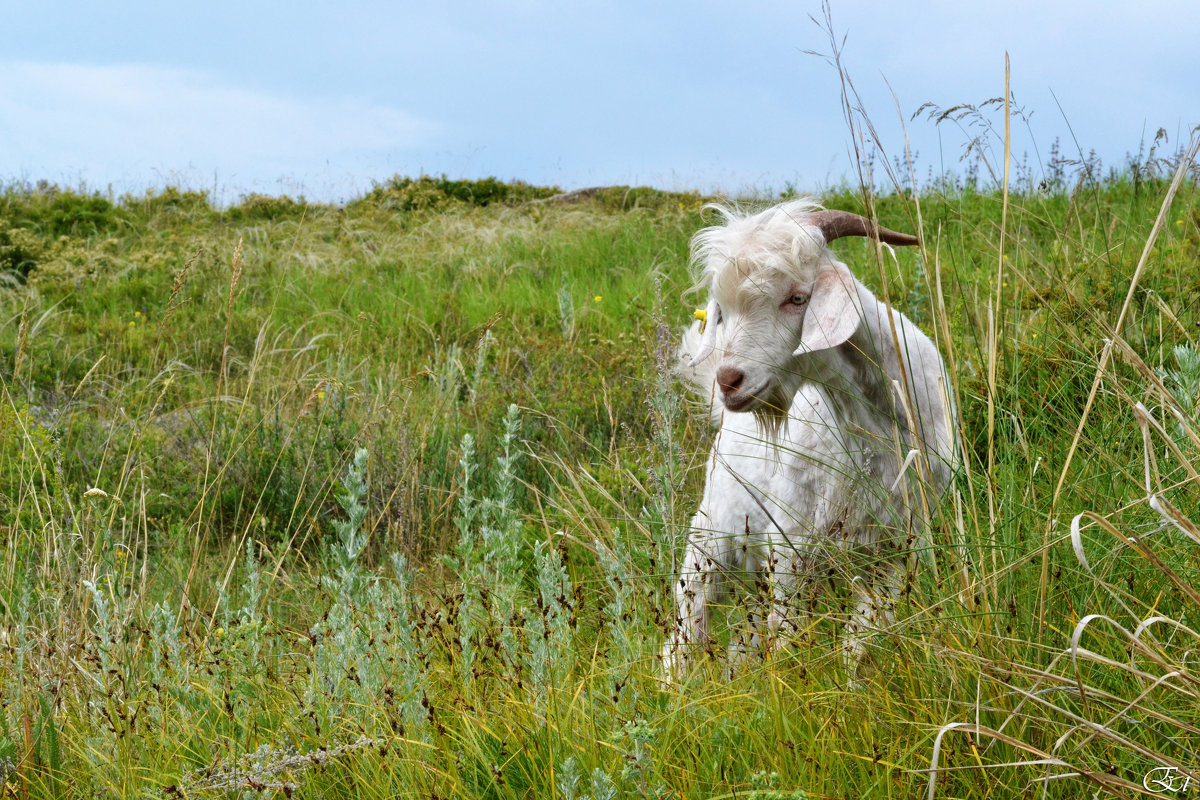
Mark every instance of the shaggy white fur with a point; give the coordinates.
(836, 426)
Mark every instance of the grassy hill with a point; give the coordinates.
(384, 500)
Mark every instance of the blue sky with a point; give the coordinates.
(322, 100)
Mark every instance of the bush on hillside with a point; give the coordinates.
(432, 193)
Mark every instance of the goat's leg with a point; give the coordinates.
(769, 615)
(749, 641)
(789, 586)
(698, 585)
(875, 606)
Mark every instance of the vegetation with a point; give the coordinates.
(385, 500)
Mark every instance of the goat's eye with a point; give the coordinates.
(799, 299)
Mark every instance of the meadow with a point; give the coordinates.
(385, 500)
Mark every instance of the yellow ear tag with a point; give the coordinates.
(702, 315)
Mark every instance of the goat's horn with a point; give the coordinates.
(836, 224)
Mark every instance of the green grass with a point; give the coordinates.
(269, 525)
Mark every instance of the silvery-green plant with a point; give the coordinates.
(481, 350)
(166, 665)
(116, 676)
(352, 535)
(410, 677)
(465, 562)
(566, 311)
(376, 609)
(504, 551)
(620, 621)
(468, 509)
(12, 684)
(603, 787)
(502, 528)
(251, 587)
(487, 556)
(248, 617)
(22, 636)
(549, 656)
(569, 780)
(639, 764)
(8, 753)
(102, 627)
(341, 642)
(446, 370)
(666, 407)
(502, 534)
(1183, 382)
(169, 668)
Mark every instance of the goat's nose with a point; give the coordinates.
(729, 379)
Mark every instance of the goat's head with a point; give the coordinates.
(776, 293)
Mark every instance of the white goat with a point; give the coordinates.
(828, 403)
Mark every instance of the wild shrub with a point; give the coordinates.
(429, 193)
(52, 211)
(20, 251)
(259, 207)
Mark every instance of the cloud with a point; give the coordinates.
(131, 123)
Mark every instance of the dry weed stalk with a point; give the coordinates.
(233, 284)
(267, 769)
(22, 343)
(177, 287)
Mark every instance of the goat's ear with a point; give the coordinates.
(833, 314)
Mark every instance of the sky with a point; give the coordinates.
(325, 99)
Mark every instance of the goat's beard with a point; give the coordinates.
(771, 414)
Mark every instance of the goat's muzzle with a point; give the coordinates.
(734, 393)
(730, 380)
